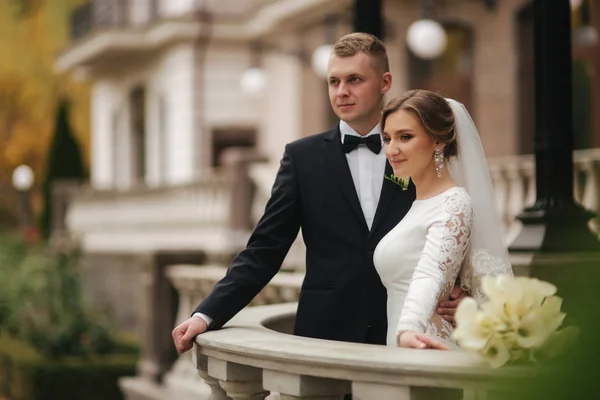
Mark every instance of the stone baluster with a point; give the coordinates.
(289, 294)
(529, 176)
(390, 391)
(500, 192)
(301, 387)
(516, 198)
(217, 393)
(204, 204)
(577, 189)
(240, 382)
(591, 194)
(217, 205)
(221, 200)
(185, 305)
(182, 372)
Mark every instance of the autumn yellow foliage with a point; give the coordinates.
(30, 87)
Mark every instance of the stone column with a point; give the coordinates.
(159, 311)
(237, 162)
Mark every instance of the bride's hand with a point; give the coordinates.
(419, 341)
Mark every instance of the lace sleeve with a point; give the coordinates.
(446, 244)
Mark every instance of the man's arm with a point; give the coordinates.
(256, 265)
(447, 309)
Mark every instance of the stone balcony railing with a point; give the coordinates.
(211, 214)
(255, 356)
(217, 212)
(253, 353)
(192, 283)
(105, 14)
(514, 184)
(513, 178)
(259, 339)
(146, 218)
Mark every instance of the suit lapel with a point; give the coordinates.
(387, 194)
(338, 164)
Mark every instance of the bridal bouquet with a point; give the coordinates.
(520, 321)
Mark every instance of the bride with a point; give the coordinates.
(452, 232)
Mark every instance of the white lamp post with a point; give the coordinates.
(426, 38)
(253, 80)
(320, 60)
(22, 180)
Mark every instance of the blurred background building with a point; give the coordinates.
(187, 94)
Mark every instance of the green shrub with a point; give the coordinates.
(27, 375)
(53, 345)
(41, 302)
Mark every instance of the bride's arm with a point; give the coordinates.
(445, 247)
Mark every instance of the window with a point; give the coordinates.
(451, 73)
(137, 100)
(224, 138)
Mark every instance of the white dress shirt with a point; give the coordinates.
(367, 169)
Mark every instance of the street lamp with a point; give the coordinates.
(22, 180)
(320, 60)
(426, 38)
(253, 80)
(575, 4)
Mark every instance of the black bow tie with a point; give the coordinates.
(351, 142)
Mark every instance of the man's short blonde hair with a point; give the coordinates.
(353, 43)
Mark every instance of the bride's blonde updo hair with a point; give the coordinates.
(434, 112)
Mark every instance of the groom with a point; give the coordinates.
(332, 186)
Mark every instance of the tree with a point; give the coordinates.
(25, 8)
(32, 32)
(64, 161)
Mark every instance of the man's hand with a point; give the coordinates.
(415, 340)
(184, 333)
(447, 308)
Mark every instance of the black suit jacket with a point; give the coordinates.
(342, 297)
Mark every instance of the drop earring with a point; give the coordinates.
(438, 158)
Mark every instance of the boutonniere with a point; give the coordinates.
(401, 181)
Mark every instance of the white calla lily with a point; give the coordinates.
(520, 319)
(532, 331)
(550, 312)
(497, 353)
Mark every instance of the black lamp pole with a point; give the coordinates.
(368, 17)
(555, 223)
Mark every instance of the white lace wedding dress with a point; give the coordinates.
(419, 261)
